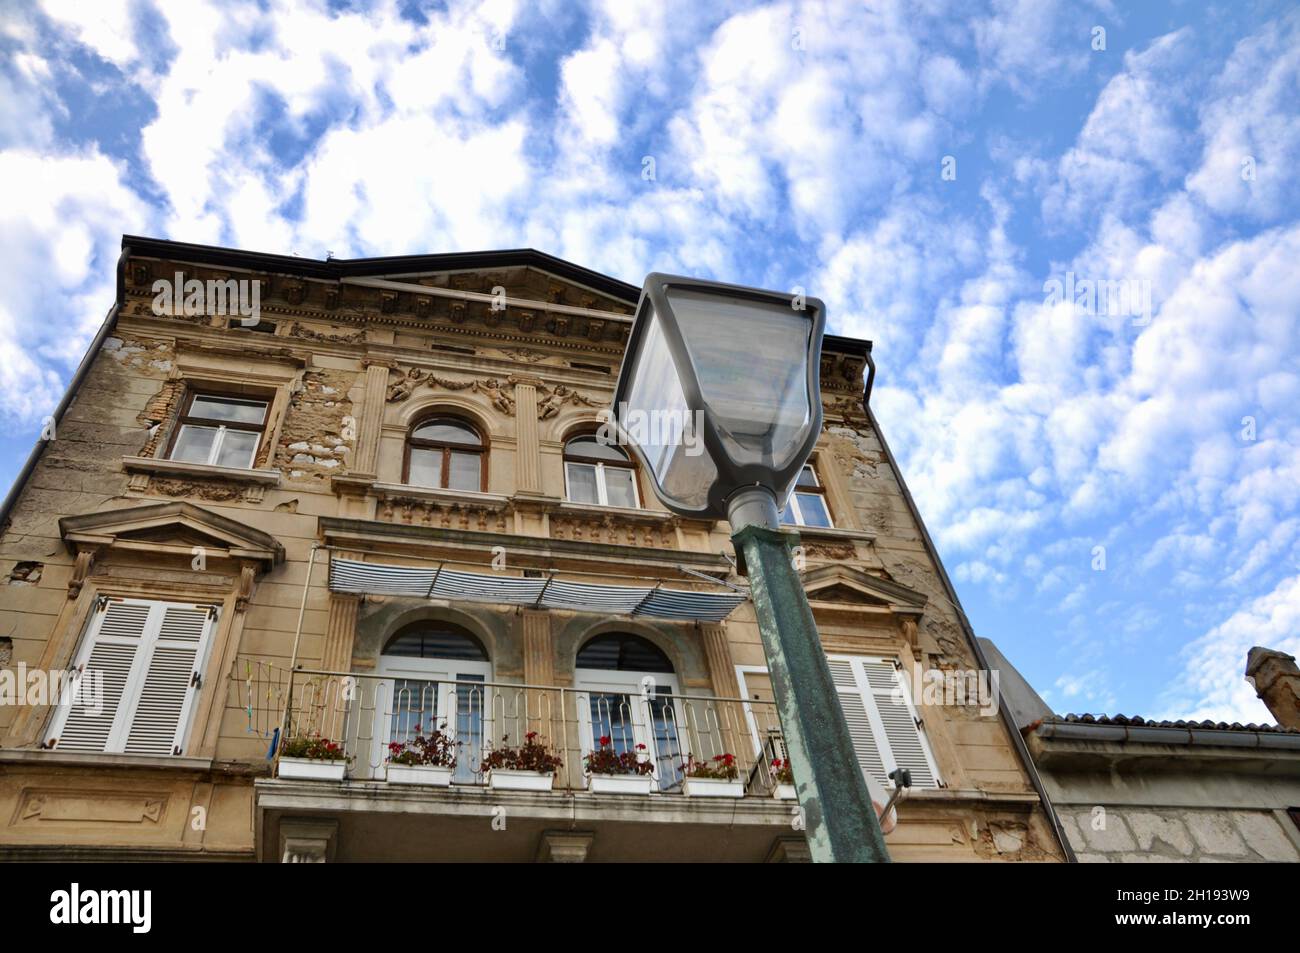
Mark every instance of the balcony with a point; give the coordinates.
(367, 816)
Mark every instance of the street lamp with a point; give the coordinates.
(719, 396)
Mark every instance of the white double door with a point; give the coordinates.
(416, 696)
(631, 709)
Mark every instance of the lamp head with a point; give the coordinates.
(719, 390)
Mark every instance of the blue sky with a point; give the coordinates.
(1115, 489)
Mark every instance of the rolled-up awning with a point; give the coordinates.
(349, 575)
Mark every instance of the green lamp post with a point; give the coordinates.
(719, 397)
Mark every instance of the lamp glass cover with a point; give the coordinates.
(657, 419)
(751, 359)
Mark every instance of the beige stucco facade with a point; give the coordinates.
(348, 363)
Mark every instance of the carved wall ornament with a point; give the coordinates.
(832, 551)
(213, 491)
(409, 378)
(81, 569)
(524, 355)
(247, 582)
(848, 408)
(552, 400)
(311, 334)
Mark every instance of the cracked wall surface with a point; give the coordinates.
(1179, 835)
(316, 440)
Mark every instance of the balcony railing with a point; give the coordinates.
(364, 713)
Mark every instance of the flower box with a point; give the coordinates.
(312, 769)
(785, 792)
(620, 783)
(431, 775)
(510, 779)
(712, 787)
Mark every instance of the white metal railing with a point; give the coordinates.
(364, 713)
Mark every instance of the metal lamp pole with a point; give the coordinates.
(741, 366)
(840, 821)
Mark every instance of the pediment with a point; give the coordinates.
(519, 281)
(844, 585)
(166, 526)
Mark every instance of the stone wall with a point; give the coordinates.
(1178, 835)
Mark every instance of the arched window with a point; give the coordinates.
(436, 640)
(601, 473)
(630, 686)
(623, 652)
(432, 676)
(445, 453)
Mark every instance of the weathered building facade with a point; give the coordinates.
(374, 505)
(1137, 790)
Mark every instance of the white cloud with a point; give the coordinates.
(64, 226)
(1250, 126)
(104, 26)
(1212, 684)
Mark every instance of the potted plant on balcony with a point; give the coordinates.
(615, 772)
(717, 777)
(526, 767)
(311, 757)
(427, 759)
(783, 780)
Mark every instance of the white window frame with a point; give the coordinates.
(878, 734)
(145, 646)
(215, 453)
(602, 493)
(588, 681)
(446, 673)
(795, 509)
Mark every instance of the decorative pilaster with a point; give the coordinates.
(340, 631)
(717, 651)
(370, 426)
(541, 707)
(539, 648)
(528, 454)
(722, 675)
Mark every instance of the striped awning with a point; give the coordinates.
(349, 575)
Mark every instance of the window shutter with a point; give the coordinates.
(150, 657)
(171, 681)
(859, 721)
(898, 719)
(882, 721)
(112, 645)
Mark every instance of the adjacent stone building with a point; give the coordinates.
(351, 501)
(1132, 790)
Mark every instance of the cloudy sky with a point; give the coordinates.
(1114, 484)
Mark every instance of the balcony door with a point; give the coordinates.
(432, 676)
(625, 691)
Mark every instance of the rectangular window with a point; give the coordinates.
(602, 485)
(138, 674)
(220, 431)
(807, 504)
(883, 725)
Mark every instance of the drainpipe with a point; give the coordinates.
(105, 329)
(293, 659)
(1003, 711)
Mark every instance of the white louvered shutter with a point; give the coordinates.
(882, 721)
(898, 718)
(858, 718)
(113, 643)
(172, 676)
(148, 655)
